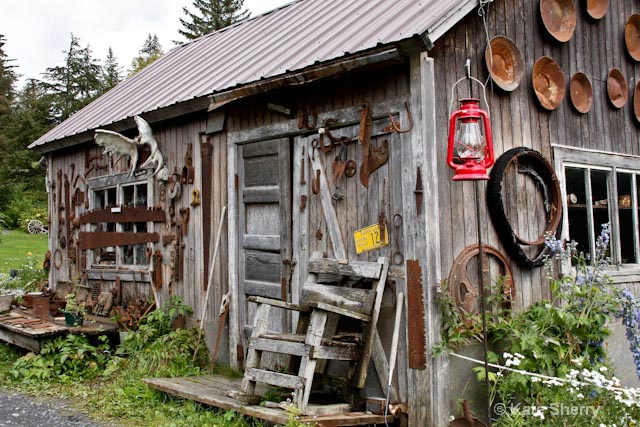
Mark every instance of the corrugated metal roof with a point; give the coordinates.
(287, 39)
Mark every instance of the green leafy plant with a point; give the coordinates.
(73, 306)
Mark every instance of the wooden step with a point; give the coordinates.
(274, 378)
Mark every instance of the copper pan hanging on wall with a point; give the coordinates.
(581, 92)
(636, 102)
(548, 82)
(597, 8)
(559, 18)
(632, 36)
(617, 88)
(504, 62)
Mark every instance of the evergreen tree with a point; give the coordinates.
(211, 15)
(74, 84)
(111, 73)
(151, 50)
(8, 79)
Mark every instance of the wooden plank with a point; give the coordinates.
(352, 299)
(253, 356)
(261, 195)
(123, 214)
(382, 368)
(263, 289)
(104, 239)
(20, 340)
(262, 243)
(233, 231)
(363, 366)
(274, 378)
(317, 322)
(279, 303)
(330, 216)
(336, 352)
(107, 275)
(279, 346)
(369, 270)
(340, 311)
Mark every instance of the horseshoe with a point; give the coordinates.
(461, 288)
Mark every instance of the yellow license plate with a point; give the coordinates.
(370, 238)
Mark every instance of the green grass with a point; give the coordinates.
(15, 246)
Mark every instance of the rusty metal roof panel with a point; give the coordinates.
(290, 38)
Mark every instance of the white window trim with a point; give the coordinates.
(565, 156)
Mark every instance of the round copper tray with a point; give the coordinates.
(632, 36)
(581, 92)
(617, 88)
(548, 82)
(597, 8)
(504, 62)
(559, 18)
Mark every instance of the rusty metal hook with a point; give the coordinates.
(395, 126)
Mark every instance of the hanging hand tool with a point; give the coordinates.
(339, 164)
(303, 181)
(418, 192)
(315, 183)
(351, 168)
(364, 139)
(395, 126)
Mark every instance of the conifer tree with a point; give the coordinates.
(151, 50)
(211, 15)
(111, 72)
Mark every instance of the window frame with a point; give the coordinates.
(613, 163)
(118, 182)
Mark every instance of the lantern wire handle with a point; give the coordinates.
(473, 79)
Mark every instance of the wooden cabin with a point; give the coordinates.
(274, 120)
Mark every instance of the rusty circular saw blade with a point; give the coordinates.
(632, 36)
(504, 62)
(548, 82)
(581, 92)
(617, 88)
(559, 18)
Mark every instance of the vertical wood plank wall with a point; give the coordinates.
(518, 119)
(173, 138)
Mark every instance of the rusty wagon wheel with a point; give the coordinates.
(35, 226)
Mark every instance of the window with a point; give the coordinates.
(124, 194)
(601, 188)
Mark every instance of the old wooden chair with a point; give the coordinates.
(320, 301)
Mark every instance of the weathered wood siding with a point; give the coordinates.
(518, 119)
(173, 139)
(386, 90)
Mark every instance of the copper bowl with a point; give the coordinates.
(548, 82)
(617, 88)
(636, 102)
(632, 36)
(597, 8)
(559, 18)
(504, 62)
(581, 92)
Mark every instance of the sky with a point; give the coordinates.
(38, 31)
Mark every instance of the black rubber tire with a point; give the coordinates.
(497, 212)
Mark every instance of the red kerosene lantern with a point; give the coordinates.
(470, 152)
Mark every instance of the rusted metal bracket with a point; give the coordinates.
(418, 192)
(364, 139)
(188, 172)
(307, 119)
(395, 126)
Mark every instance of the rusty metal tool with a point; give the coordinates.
(417, 341)
(303, 119)
(382, 220)
(397, 257)
(364, 139)
(303, 202)
(303, 181)
(395, 126)
(418, 192)
(315, 183)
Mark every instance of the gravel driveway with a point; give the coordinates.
(19, 410)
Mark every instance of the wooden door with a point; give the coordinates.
(264, 226)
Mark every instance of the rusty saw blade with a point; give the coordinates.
(415, 316)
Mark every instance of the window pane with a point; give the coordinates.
(600, 197)
(577, 202)
(128, 195)
(141, 254)
(141, 195)
(625, 218)
(111, 197)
